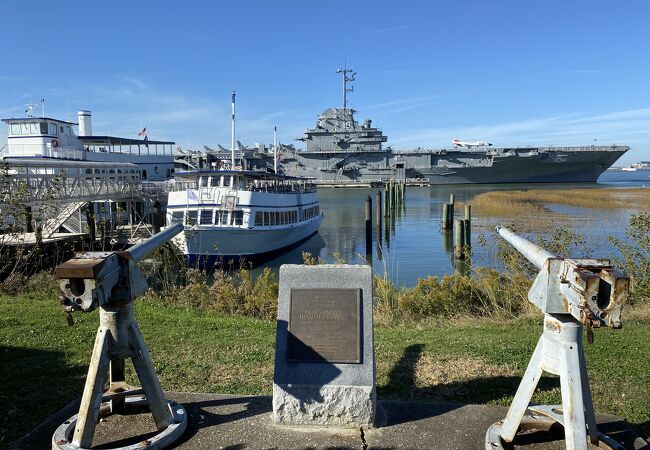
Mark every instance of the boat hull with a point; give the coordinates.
(544, 165)
(207, 246)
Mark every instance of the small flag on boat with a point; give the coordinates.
(143, 133)
(191, 195)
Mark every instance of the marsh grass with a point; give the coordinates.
(514, 204)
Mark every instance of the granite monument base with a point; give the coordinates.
(324, 360)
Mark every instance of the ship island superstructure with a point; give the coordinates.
(340, 150)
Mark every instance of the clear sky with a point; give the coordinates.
(511, 72)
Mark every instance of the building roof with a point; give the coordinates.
(112, 140)
(36, 119)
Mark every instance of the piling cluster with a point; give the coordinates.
(389, 204)
(457, 230)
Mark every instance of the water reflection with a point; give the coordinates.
(411, 244)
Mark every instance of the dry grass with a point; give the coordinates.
(514, 204)
(431, 370)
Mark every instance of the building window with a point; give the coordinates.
(206, 217)
(177, 217)
(221, 218)
(237, 218)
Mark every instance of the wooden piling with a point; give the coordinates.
(378, 213)
(445, 216)
(468, 225)
(451, 211)
(459, 237)
(368, 220)
(467, 233)
(378, 220)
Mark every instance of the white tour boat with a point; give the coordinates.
(234, 214)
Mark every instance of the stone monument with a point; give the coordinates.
(325, 354)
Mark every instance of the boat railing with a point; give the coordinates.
(141, 149)
(270, 187)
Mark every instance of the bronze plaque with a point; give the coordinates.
(324, 325)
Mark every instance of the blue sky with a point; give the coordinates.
(511, 72)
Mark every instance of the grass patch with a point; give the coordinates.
(512, 204)
(43, 362)
(533, 204)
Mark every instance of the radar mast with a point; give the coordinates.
(346, 79)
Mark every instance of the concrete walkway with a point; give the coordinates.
(241, 422)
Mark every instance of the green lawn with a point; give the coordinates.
(43, 362)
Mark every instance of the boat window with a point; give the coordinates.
(53, 129)
(168, 172)
(191, 217)
(203, 181)
(177, 217)
(267, 218)
(90, 171)
(237, 218)
(61, 127)
(68, 131)
(273, 216)
(259, 218)
(226, 181)
(34, 128)
(15, 128)
(221, 218)
(214, 182)
(43, 127)
(206, 217)
(24, 128)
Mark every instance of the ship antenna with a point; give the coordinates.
(30, 109)
(275, 149)
(232, 144)
(346, 79)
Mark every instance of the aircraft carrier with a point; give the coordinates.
(340, 151)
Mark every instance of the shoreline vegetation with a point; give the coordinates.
(456, 338)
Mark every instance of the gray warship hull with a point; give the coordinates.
(456, 166)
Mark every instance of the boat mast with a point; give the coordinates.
(346, 79)
(275, 149)
(232, 144)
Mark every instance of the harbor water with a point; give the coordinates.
(417, 247)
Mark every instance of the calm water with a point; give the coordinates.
(416, 246)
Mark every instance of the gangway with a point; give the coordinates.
(56, 194)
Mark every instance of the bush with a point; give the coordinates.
(635, 257)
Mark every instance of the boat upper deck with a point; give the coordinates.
(243, 180)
